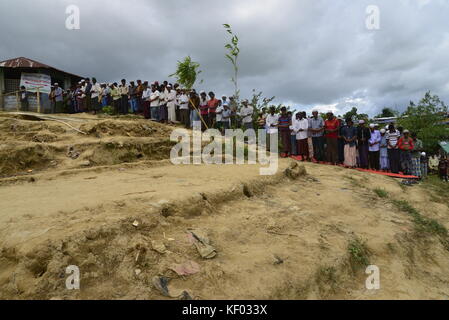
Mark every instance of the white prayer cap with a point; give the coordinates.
(202, 91)
(423, 154)
(361, 121)
(314, 110)
(56, 84)
(406, 131)
(383, 130)
(372, 125)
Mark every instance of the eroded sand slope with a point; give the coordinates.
(286, 236)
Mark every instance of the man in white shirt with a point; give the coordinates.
(171, 103)
(272, 122)
(154, 103)
(184, 110)
(301, 127)
(146, 95)
(124, 91)
(95, 92)
(226, 117)
(246, 112)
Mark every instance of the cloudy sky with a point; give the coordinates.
(307, 53)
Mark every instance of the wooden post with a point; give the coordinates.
(38, 97)
(17, 101)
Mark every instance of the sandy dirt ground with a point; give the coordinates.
(111, 205)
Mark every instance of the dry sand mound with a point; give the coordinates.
(98, 201)
(39, 145)
(302, 234)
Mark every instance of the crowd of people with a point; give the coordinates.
(339, 142)
(332, 140)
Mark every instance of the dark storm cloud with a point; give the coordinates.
(306, 53)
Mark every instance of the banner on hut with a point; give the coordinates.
(34, 81)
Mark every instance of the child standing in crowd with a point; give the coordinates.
(443, 168)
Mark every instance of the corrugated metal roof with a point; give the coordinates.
(22, 62)
(445, 146)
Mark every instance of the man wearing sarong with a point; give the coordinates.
(316, 129)
(284, 131)
(301, 127)
(363, 136)
(406, 146)
(349, 136)
(416, 156)
(384, 162)
(374, 148)
(332, 127)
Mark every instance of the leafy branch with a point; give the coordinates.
(187, 72)
(232, 56)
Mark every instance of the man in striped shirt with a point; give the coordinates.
(393, 136)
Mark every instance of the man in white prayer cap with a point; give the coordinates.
(316, 130)
(384, 162)
(374, 148)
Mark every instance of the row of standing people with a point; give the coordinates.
(341, 142)
(163, 102)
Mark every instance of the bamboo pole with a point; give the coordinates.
(38, 98)
(199, 113)
(17, 101)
